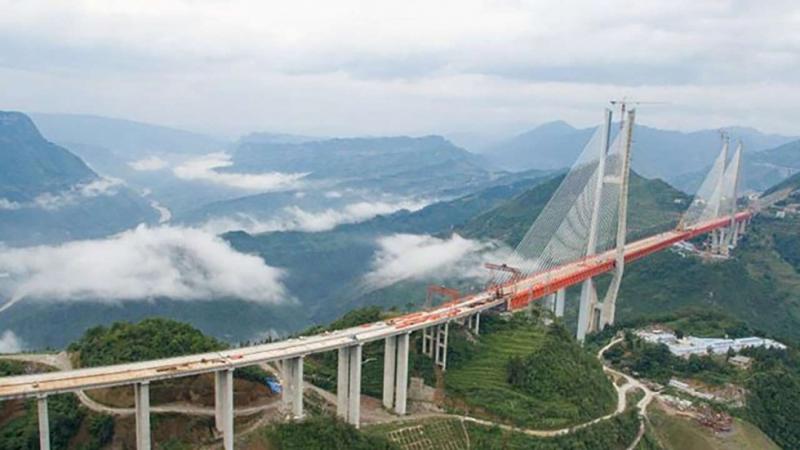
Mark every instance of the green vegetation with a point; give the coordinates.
(526, 374)
(66, 419)
(652, 209)
(322, 433)
(153, 338)
(773, 402)
(656, 362)
(759, 285)
(9, 367)
(613, 434)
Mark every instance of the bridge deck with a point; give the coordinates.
(515, 295)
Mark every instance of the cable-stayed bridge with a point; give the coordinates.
(580, 234)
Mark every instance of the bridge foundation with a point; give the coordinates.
(348, 385)
(141, 393)
(44, 422)
(395, 373)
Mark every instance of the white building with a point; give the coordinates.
(691, 345)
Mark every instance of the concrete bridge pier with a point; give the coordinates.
(218, 387)
(558, 307)
(474, 323)
(428, 335)
(141, 393)
(395, 373)
(555, 302)
(293, 389)
(348, 384)
(226, 410)
(223, 405)
(588, 317)
(44, 422)
(440, 345)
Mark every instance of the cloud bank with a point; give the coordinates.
(53, 201)
(422, 257)
(149, 164)
(203, 169)
(139, 264)
(331, 68)
(295, 218)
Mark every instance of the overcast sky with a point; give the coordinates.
(373, 67)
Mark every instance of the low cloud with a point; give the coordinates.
(96, 188)
(10, 343)
(150, 164)
(204, 169)
(422, 257)
(294, 218)
(140, 264)
(52, 201)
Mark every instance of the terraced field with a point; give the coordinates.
(477, 378)
(428, 434)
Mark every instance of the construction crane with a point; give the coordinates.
(624, 102)
(516, 275)
(436, 289)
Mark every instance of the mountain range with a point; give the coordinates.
(48, 194)
(678, 157)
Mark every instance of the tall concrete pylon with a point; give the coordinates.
(609, 307)
(735, 166)
(718, 236)
(588, 302)
(592, 315)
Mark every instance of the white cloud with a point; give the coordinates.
(296, 218)
(164, 214)
(139, 264)
(149, 164)
(54, 201)
(306, 67)
(423, 257)
(203, 169)
(9, 204)
(10, 343)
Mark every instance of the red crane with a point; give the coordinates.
(435, 289)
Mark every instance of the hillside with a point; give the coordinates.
(792, 182)
(653, 206)
(759, 285)
(526, 374)
(427, 165)
(30, 166)
(47, 194)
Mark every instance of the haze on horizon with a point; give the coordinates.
(412, 67)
